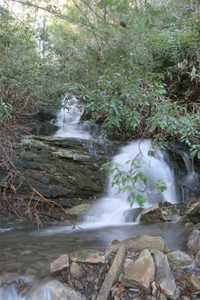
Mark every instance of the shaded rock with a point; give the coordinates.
(46, 113)
(197, 258)
(87, 256)
(86, 278)
(79, 210)
(192, 213)
(61, 170)
(179, 259)
(164, 278)
(194, 242)
(112, 274)
(159, 213)
(62, 262)
(132, 214)
(140, 273)
(191, 281)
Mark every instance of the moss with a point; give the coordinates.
(115, 242)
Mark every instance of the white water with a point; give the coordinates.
(68, 119)
(112, 209)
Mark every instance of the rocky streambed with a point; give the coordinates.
(141, 267)
(138, 268)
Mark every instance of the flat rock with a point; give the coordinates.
(179, 259)
(139, 243)
(88, 256)
(164, 278)
(62, 262)
(140, 273)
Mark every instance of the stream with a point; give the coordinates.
(28, 252)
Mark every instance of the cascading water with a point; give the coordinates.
(190, 182)
(69, 121)
(113, 207)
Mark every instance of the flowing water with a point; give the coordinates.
(113, 207)
(189, 182)
(26, 254)
(69, 121)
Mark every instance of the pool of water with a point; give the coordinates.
(30, 252)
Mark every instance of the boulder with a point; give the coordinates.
(191, 281)
(139, 243)
(87, 256)
(164, 279)
(62, 170)
(192, 213)
(142, 242)
(179, 259)
(159, 213)
(140, 273)
(62, 262)
(194, 242)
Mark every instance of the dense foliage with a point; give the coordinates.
(134, 63)
(135, 66)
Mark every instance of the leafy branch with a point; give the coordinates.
(131, 179)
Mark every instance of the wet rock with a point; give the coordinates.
(61, 170)
(179, 259)
(132, 214)
(112, 274)
(140, 273)
(79, 210)
(164, 278)
(88, 256)
(159, 213)
(191, 281)
(192, 213)
(46, 113)
(194, 242)
(60, 263)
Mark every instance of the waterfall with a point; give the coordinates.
(10, 293)
(189, 182)
(112, 208)
(69, 121)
